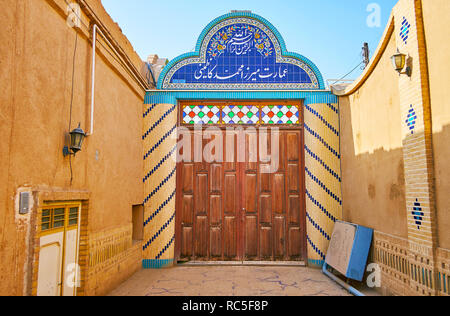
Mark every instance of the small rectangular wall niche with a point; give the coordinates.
(138, 222)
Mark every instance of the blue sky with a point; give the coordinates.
(328, 32)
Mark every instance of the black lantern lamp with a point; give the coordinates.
(76, 141)
(399, 61)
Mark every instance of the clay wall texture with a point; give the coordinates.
(372, 155)
(400, 123)
(36, 58)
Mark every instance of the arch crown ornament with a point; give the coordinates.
(240, 51)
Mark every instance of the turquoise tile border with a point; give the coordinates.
(284, 51)
(172, 97)
(316, 263)
(156, 264)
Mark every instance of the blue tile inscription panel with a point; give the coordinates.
(240, 52)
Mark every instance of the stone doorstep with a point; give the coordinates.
(243, 263)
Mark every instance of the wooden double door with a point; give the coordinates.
(244, 208)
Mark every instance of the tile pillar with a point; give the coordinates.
(159, 139)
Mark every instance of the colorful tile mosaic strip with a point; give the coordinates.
(201, 114)
(240, 114)
(404, 30)
(411, 119)
(418, 214)
(280, 114)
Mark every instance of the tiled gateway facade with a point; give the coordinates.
(400, 192)
(241, 56)
(374, 153)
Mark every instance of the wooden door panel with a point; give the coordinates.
(231, 152)
(239, 210)
(282, 151)
(279, 193)
(215, 214)
(278, 211)
(201, 194)
(230, 194)
(293, 178)
(295, 242)
(292, 149)
(186, 242)
(230, 240)
(294, 210)
(200, 164)
(265, 210)
(266, 249)
(250, 193)
(188, 210)
(279, 236)
(201, 237)
(265, 178)
(251, 236)
(216, 178)
(216, 242)
(188, 179)
(251, 151)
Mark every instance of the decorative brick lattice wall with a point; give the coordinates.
(417, 148)
(112, 258)
(404, 272)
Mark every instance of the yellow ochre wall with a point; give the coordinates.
(36, 78)
(372, 157)
(436, 15)
(395, 146)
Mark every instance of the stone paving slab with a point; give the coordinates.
(230, 281)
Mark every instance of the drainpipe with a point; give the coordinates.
(95, 30)
(349, 288)
(94, 41)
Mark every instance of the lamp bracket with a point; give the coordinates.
(406, 72)
(67, 152)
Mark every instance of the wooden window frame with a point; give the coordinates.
(51, 207)
(222, 103)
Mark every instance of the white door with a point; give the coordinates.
(50, 262)
(58, 272)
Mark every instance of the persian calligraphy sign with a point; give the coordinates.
(241, 52)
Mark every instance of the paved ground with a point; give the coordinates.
(230, 281)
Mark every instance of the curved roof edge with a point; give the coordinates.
(284, 51)
(352, 88)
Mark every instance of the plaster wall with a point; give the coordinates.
(417, 28)
(36, 58)
(437, 29)
(373, 185)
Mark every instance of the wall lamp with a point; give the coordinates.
(399, 62)
(76, 141)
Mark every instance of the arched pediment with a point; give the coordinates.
(240, 51)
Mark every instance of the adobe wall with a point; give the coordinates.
(373, 185)
(36, 58)
(413, 109)
(436, 29)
